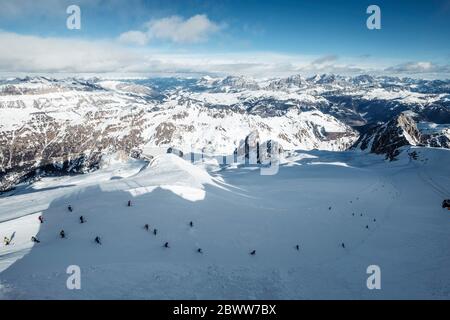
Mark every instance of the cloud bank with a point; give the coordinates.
(34, 54)
(419, 67)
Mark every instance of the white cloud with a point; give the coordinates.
(134, 37)
(37, 54)
(175, 29)
(34, 54)
(418, 67)
(325, 59)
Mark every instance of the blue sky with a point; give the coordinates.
(295, 34)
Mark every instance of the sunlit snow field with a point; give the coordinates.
(386, 213)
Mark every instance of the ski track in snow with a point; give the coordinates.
(234, 211)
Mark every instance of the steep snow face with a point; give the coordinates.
(170, 172)
(318, 201)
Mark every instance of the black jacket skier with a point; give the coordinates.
(166, 245)
(70, 208)
(199, 250)
(129, 203)
(146, 227)
(97, 239)
(155, 231)
(253, 252)
(62, 234)
(34, 239)
(82, 219)
(191, 224)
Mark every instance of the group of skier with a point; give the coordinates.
(62, 233)
(97, 239)
(166, 244)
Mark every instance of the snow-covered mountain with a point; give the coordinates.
(68, 125)
(389, 138)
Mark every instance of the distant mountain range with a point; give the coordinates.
(67, 125)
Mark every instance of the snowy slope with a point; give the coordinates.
(235, 210)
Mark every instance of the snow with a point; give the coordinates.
(231, 98)
(403, 96)
(197, 124)
(234, 211)
(12, 119)
(430, 127)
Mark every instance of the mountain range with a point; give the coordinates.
(63, 126)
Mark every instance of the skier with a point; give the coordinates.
(97, 239)
(297, 247)
(41, 219)
(62, 234)
(70, 208)
(253, 252)
(343, 245)
(191, 224)
(199, 250)
(146, 227)
(82, 219)
(7, 241)
(374, 220)
(166, 245)
(34, 239)
(329, 208)
(446, 204)
(155, 231)
(367, 227)
(129, 203)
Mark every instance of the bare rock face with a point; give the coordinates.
(438, 141)
(388, 138)
(77, 151)
(402, 131)
(44, 145)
